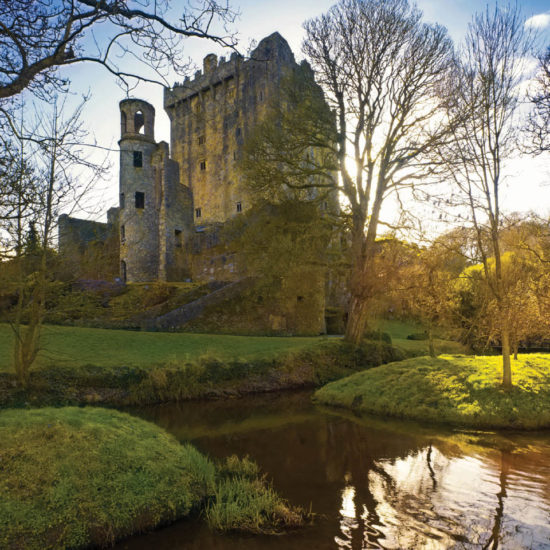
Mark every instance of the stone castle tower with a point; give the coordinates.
(165, 199)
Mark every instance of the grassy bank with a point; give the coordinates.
(207, 376)
(75, 477)
(461, 390)
(117, 367)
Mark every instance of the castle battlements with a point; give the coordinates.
(217, 72)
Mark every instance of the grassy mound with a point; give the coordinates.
(73, 477)
(79, 477)
(462, 390)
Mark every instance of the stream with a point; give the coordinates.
(373, 483)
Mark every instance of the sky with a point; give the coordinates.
(528, 181)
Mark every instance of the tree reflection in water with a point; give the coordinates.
(375, 484)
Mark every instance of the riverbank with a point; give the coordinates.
(136, 368)
(458, 390)
(81, 477)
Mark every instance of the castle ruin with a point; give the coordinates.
(175, 198)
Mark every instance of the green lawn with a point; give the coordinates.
(462, 390)
(102, 347)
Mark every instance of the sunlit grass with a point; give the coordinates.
(462, 390)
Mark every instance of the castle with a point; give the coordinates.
(174, 198)
(170, 194)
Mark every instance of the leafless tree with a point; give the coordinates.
(55, 173)
(488, 76)
(384, 73)
(39, 36)
(539, 119)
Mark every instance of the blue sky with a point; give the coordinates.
(529, 180)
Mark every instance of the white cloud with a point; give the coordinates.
(540, 21)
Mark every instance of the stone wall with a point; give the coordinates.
(212, 115)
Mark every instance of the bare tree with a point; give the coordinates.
(384, 73)
(539, 119)
(488, 77)
(59, 165)
(39, 36)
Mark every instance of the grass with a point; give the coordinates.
(399, 330)
(460, 390)
(244, 500)
(124, 368)
(87, 365)
(73, 477)
(107, 348)
(80, 477)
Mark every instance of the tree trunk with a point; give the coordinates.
(357, 320)
(431, 347)
(506, 363)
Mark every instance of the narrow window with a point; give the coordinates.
(139, 123)
(238, 132)
(198, 213)
(122, 233)
(178, 238)
(123, 270)
(239, 207)
(261, 96)
(203, 165)
(202, 140)
(234, 155)
(122, 200)
(138, 159)
(140, 199)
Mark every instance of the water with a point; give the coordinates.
(373, 483)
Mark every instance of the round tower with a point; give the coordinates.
(139, 246)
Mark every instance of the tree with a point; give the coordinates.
(539, 120)
(36, 38)
(430, 292)
(384, 74)
(486, 103)
(35, 201)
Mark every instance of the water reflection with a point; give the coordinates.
(375, 484)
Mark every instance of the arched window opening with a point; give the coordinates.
(123, 270)
(139, 123)
(123, 122)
